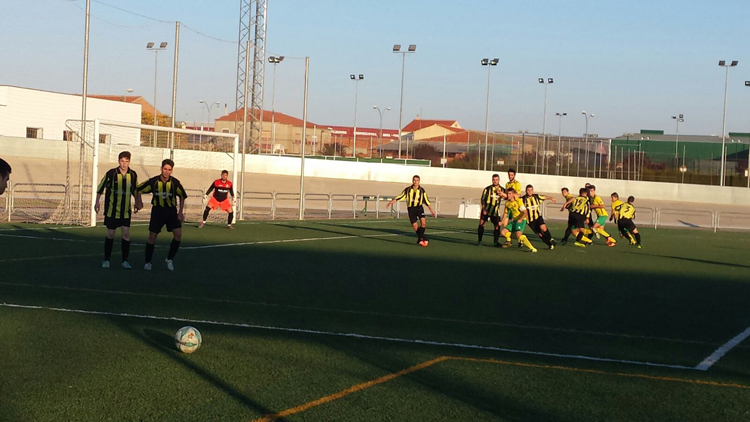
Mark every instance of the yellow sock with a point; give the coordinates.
(525, 241)
(586, 239)
(587, 232)
(507, 237)
(632, 240)
(601, 231)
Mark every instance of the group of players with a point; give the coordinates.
(587, 214)
(167, 204)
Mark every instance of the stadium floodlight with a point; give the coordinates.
(722, 63)
(544, 125)
(397, 49)
(678, 118)
(274, 60)
(356, 79)
(489, 63)
(559, 138)
(156, 50)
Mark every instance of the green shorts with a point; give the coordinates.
(516, 226)
(601, 220)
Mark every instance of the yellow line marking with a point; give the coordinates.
(350, 390)
(423, 365)
(594, 371)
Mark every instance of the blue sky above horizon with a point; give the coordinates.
(633, 64)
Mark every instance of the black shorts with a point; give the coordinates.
(579, 221)
(415, 213)
(536, 225)
(161, 217)
(626, 223)
(113, 223)
(571, 220)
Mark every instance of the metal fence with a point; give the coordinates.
(37, 203)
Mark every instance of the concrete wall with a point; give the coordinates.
(472, 180)
(31, 108)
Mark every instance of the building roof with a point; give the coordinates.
(278, 117)
(673, 138)
(417, 124)
(122, 98)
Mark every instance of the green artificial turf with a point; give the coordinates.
(292, 312)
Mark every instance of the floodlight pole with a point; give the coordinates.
(546, 83)
(274, 60)
(722, 63)
(356, 79)
(489, 63)
(380, 112)
(747, 83)
(397, 49)
(559, 136)
(678, 118)
(156, 50)
(302, 150)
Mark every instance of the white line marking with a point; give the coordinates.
(368, 313)
(352, 335)
(49, 228)
(723, 350)
(309, 239)
(18, 236)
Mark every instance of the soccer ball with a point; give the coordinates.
(424, 243)
(187, 339)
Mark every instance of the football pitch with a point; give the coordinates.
(350, 320)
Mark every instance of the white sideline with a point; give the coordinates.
(352, 335)
(723, 350)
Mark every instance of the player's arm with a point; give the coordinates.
(565, 205)
(181, 195)
(485, 196)
(544, 198)
(231, 192)
(523, 215)
(427, 202)
(137, 195)
(105, 183)
(398, 198)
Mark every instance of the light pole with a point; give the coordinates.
(274, 60)
(544, 124)
(208, 108)
(723, 63)
(559, 136)
(489, 63)
(747, 83)
(585, 142)
(150, 46)
(679, 118)
(380, 112)
(356, 79)
(397, 49)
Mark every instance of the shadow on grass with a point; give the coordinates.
(164, 344)
(700, 261)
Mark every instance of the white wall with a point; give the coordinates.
(49, 110)
(470, 179)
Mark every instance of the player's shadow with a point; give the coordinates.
(165, 344)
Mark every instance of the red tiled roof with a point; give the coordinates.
(417, 124)
(280, 118)
(122, 98)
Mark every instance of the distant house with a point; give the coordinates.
(419, 129)
(37, 114)
(146, 107)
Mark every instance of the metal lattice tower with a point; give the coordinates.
(251, 62)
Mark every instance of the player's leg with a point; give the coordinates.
(496, 230)
(423, 221)
(522, 237)
(125, 245)
(150, 249)
(546, 236)
(230, 218)
(174, 225)
(109, 241)
(569, 229)
(205, 217)
(505, 232)
(154, 228)
(480, 229)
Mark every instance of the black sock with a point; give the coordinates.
(125, 249)
(480, 232)
(545, 238)
(149, 252)
(496, 235)
(420, 233)
(205, 213)
(108, 248)
(173, 249)
(579, 236)
(568, 232)
(230, 218)
(637, 238)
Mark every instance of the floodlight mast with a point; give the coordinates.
(489, 63)
(397, 49)
(722, 63)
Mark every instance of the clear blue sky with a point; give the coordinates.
(633, 64)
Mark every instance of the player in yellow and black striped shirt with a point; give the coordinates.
(167, 194)
(533, 203)
(616, 217)
(118, 185)
(491, 198)
(626, 214)
(415, 197)
(578, 208)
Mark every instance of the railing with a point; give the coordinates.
(36, 202)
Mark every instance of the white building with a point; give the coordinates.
(33, 113)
